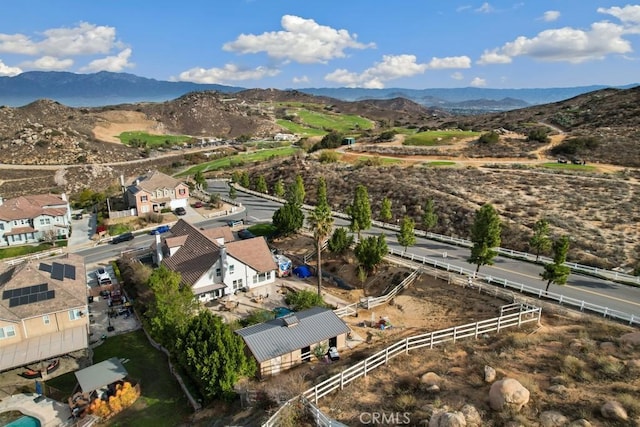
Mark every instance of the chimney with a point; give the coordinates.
(63, 196)
(224, 263)
(1, 201)
(158, 249)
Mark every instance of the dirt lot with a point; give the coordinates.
(569, 364)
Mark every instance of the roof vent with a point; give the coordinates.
(290, 320)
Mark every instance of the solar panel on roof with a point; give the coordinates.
(57, 271)
(7, 294)
(28, 295)
(6, 276)
(70, 271)
(44, 267)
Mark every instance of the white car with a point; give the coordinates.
(103, 276)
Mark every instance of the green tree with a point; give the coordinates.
(278, 188)
(429, 216)
(385, 210)
(261, 185)
(371, 251)
(171, 307)
(489, 138)
(199, 180)
(485, 235)
(538, 134)
(233, 193)
(215, 200)
(331, 140)
(321, 222)
(236, 176)
(245, 181)
(407, 235)
(296, 191)
(303, 299)
(328, 156)
(556, 272)
(360, 211)
(288, 219)
(540, 242)
(213, 356)
(340, 241)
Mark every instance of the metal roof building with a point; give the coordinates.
(287, 334)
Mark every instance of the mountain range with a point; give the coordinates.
(107, 88)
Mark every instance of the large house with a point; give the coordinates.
(30, 219)
(156, 191)
(212, 263)
(43, 310)
(285, 342)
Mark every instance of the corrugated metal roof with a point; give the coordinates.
(273, 338)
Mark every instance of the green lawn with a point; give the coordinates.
(19, 251)
(300, 129)
(152, 140)
(262, 229)
(379, 160)
(243, 158)
(344, 123)
(439, 163)
(438, 137)
(568, 166)
(162, 402)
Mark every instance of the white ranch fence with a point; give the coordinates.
(518, 314)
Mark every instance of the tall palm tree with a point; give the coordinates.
(321, 222)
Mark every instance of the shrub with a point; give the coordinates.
(328, 156)
(489, 138)
(303, 299)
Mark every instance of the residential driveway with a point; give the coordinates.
(82, 230)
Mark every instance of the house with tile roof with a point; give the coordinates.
(43, 310)
(31, 219)
(212, 263)
(156, 191)
(285, 342)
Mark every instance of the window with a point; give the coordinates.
(46, 319)
(261, 277)
(74, 314)
(144, 199)
(237, 284)
(231, 268)
(44, 221)
(218, 272)
(1, 226)
(182, 191)
(7, 332)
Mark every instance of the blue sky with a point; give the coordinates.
(329, 43)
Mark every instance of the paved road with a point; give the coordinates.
(589, 289)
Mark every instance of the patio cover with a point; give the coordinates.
(101, 374)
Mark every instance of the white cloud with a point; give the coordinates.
(114, 64)
(49, 63)
(392, 67)
(629, 16)
(17, 43)
(478, 82)
(550, 15)
(449, 62)
(228, 73)
(457, 76)
(493, 57)
(564, 44)
(6, 70)
(485, 8)
(303, 41)
(302, 79)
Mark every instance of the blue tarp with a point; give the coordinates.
(302, 272)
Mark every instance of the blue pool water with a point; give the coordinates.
(281, 311)
(25, 421)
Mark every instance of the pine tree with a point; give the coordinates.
(360, 211)
(385, 210)
(429, 217)
(556, 272)
(297, 192)
(540, 241)
(261, 185)
(485, 236)
(407, 236)
(278, 188)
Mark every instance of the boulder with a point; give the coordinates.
(558, 389)
(471, 416)
(631, 339)
(508, 392)
(448, 419)
(614, 411)
(431, 378)
(609, 347)
(489, 374)
(553, 419)
(433, 388)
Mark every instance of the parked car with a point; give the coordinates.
(180, 211)
(245, 234)
(124, 237)
(161, 229)
(235, 222)
(198, 204)
(103, 276)
(333, 354)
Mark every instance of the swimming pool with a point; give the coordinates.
(24, 421)
(281, 311)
